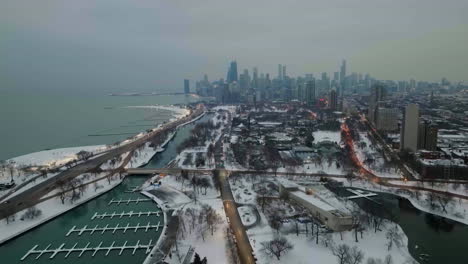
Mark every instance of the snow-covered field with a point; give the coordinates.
(305, 250)
(365, 150)
(213, 247)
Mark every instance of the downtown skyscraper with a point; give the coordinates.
(342, 77)
(232, 72)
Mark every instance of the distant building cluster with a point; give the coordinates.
(246, 87)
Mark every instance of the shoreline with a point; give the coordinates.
(53, 216)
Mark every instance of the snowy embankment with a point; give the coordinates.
(175, 194)
(372, 158)
(178, 111)
(55, 157)
(145, 153)
(457, 209)
(50, 209)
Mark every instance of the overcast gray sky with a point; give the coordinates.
(135, 45)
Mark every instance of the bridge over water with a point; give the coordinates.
(152, 171)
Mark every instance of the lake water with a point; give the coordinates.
(34, 121)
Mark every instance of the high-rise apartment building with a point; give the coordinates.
(377, 95)
(387, 119)
(427, 136)
(333, 100)
(310, 92)
(409, 128)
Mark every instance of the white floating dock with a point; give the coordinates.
(135, 228)
(128, 201)
(361, 194)
(129, 214)
(107, 249)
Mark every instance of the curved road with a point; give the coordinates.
(31, 196)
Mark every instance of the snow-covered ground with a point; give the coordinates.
(213, 247)
(54, 157)
(305, 250)
(52, 208)
(374, 245)
(365, 150)
(183, 159)
(247, 215)
(333, 136)
(178, 111)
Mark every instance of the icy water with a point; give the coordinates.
(34, 121)
(54, 232)
(444, 240)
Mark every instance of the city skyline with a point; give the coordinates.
(97, 46)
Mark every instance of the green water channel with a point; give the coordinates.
(54, 232)
(432, 239)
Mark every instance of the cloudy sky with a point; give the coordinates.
(141, 45)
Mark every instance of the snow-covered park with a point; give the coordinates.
(195, 199)
(301, 235)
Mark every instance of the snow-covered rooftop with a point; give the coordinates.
(314, 200)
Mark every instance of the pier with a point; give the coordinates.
(106, 228)
(108, 249)
(128, 201)
(128, 214)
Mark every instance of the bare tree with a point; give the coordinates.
(356, 256)
(62, 185)
(444, 201)
(275, 221)
(205, 184)
(341, 252)
(276, 247)
(394, 237)
(31, 213)
(212, 218)
(327, 239)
